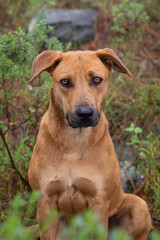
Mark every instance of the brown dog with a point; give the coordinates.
(74, 164)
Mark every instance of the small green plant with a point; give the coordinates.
(20, 213)
(153, 10)
(119, 235)
(154, 235)
(129, 18)
(136, 138)
(149, 155)
(20, 219)
(85, 226)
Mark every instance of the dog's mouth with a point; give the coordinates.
(83, 118)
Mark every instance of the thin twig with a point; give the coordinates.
(131, 181)
(18, 126)
(3, 82)
(6, 103)
(154, 218)
(140, 187)
(12, 161)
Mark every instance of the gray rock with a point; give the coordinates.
(127, 157)
(128, 153)
(68, 25)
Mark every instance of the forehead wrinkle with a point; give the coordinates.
(95, 73)
(79, 65)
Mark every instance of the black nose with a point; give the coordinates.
(84, 113)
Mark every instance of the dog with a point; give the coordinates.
(74, 165)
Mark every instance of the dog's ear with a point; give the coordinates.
(44, 61)
(111, 60)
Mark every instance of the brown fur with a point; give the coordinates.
(77, 168)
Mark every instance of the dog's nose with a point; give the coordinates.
(84, 113)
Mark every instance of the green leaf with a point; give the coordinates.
(138, 130)
(129, 129)
(135, 139)
(145, 142)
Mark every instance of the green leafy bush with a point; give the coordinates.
(19, 223)
(21, 215)
(85, 226)
(129, 18)
(153, 10)
(18, 216)
(21, 105)
(149, 153)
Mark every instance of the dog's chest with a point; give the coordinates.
(73, 185)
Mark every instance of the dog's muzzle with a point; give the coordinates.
(83, 117)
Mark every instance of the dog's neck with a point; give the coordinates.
(67, 136)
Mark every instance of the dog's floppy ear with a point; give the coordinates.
(111, 60)
(44, 61)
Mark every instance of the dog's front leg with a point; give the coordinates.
(102, 209)
(49, 227)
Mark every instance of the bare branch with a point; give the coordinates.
(12, 161)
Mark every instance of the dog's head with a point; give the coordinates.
(80, 81)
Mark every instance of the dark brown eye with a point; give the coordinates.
(65, 83)
(96, 80)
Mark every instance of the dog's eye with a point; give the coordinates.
(65, 83)
(96, 80)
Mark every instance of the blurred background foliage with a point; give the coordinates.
(132, 29)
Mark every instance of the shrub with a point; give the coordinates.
(22, 105)
(21, 214)
(149, 153)
(129, 17)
